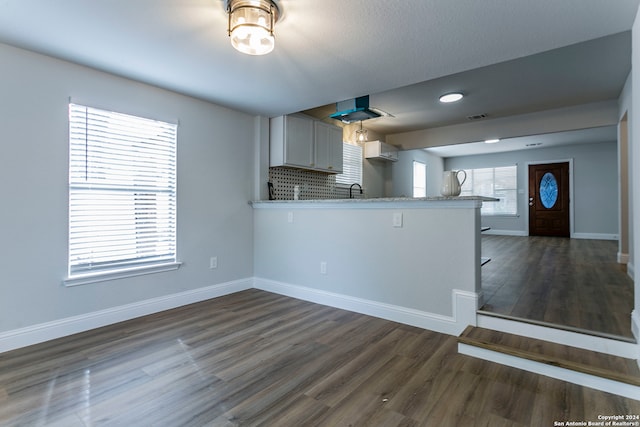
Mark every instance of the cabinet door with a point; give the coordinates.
(298, 142)
(328, 147)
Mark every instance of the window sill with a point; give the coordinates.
(86, 279)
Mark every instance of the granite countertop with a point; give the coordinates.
(383, 199)
(374, 201)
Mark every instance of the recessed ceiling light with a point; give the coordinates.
(451, 97)
(491, 141)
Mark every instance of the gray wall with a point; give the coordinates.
(416, 266)
(375, 177)
(402, 173)
(216, 164)
(595, 184)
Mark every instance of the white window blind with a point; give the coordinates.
(122, 191)
(351, 165)
(500, 182)
(419, 179)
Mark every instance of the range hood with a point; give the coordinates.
(354, 110)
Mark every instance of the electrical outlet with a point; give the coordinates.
(213, 262)
(289, 217)
(323, 267)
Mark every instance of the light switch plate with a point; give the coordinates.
(397, 219)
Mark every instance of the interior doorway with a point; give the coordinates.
(574, 284)
(549, 212)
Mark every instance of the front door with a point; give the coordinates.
(549, 200)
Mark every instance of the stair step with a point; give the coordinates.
(584, 361)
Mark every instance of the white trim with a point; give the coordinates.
(630, 270)
(493, 232)
(595, 236)
(464, 307)
(124, 108)
(635, 328)
(42, 332)
(622, 258)
(574, 339)
(103, 276)
(580, 378)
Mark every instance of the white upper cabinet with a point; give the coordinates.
(291, 142)
(302, 142)
(328, 147)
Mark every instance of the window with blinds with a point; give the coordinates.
(122, 191)
(351, 165)
(500, 182)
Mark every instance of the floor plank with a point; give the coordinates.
(260, 359)
(573, 283)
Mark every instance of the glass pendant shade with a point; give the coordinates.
(361, 134)
(251, 25)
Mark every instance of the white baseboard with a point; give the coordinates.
(519, 233)
(635, 327)
(524, 233)
(42, 332)
(630, 270)
(594, 236)
(622, 258)
(574, 339)
(464, 307)
(582, 379)
(464, 311)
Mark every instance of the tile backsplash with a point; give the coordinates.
(313, 185)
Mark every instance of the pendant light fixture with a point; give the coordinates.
(361, 134)
(251, 25)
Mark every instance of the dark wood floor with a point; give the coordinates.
(260, 359)
(574, 283)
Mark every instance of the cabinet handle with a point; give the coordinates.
(330, 167)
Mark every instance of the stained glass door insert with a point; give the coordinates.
(548, 190)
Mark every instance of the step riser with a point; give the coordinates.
(558, 336)
(579, 378)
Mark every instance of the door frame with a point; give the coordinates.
(526, 192)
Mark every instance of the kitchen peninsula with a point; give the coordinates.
(415, 261)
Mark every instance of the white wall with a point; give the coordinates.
(570, 118)
(634, 151)
(595, 178)
(215, 182)
(625, 245)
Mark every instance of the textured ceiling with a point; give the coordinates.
(508, 56)
(556, 139)
(582, 73)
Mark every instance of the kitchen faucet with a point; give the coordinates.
(351, 188)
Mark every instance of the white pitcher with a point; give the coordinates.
(451, 185)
